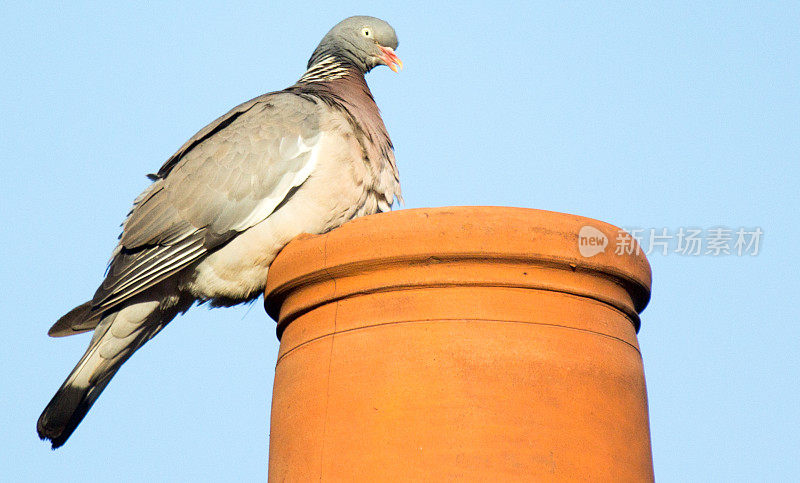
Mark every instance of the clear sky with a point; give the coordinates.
(659, 116)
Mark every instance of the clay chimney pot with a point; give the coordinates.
(471, 343)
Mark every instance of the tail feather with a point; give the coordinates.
(80, 390)
(117, 336)
(67, 409)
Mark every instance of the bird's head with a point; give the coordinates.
(365, 41)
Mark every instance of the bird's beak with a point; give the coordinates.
(390, 58)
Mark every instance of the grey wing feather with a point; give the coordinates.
(80, 319)
(228, 177)
(201, 135)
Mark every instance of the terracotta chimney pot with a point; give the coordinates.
(472, 343)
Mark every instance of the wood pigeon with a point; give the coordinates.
(302, 160)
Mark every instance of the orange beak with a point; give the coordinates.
(390, 58)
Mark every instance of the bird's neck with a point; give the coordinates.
(341, 84)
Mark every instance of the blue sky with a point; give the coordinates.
(644, 116)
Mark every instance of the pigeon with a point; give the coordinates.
(302, 160)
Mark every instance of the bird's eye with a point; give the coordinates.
(367, 32)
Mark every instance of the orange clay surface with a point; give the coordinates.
(470, 343)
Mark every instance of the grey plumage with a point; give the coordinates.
(305, 159)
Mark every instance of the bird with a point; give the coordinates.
(305, 159)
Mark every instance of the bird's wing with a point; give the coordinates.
(231, 175)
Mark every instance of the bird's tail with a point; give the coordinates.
(68, 407)
(116, 338)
